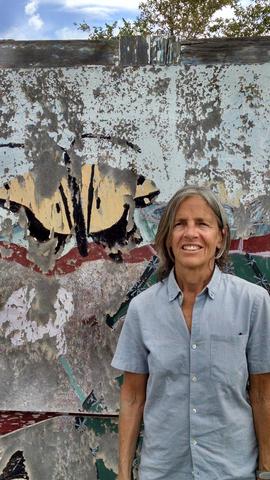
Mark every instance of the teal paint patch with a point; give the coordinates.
(89, 402)
(255, 269)
(101, 426)
(103, 472)
(72, 380)
(120, 380)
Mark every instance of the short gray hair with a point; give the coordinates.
(165, 227)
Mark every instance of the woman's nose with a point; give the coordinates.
(190, 231)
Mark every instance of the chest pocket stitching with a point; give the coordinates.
(228, 357)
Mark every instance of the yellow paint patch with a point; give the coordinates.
(112, 199)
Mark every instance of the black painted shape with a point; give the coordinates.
(98, 202)
(57, 206)
(139, 286)
(262, 281)
(15, 468)
(140, 201)
(35, 227)
(140, 180)
(116, 140)
(80, 423)
(12, 145)
(116, 257)
(79, 223)
(90, 401)
(117, 233)
(135, 290)
(65, 203)
(90, 198)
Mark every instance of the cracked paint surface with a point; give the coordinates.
(89, 156)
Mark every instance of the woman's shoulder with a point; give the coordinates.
(238, 284)
(155, 293)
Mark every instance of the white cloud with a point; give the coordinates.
(36, 22)
(111, 4)
(84, 5)
(97, 12)
(31, 7)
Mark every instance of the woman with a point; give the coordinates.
(195, 349)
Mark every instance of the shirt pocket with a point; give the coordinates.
(228, 363)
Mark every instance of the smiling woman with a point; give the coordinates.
(196, 238)
(196, 345)
(193, 212)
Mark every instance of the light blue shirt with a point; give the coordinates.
(198, 421)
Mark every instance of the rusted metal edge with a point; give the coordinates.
(133, 51)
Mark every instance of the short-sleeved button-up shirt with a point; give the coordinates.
(198, 421)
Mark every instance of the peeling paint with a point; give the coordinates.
(89, 156)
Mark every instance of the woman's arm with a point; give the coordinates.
(260, 402)
(132, 399)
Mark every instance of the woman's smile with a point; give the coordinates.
(196, 235)
(191, 247)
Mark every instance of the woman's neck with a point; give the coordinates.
(192, 281)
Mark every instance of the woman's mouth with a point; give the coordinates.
(191, 247)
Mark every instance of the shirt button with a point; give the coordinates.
(194, 410)
(194, 346)
(194, 378)
(194, 442)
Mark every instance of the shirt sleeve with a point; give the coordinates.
(258, 348)
(131, 353)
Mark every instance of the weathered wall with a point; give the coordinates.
(94, 140)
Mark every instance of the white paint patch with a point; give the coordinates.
(22, 330)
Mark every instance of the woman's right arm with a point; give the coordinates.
(132, 400)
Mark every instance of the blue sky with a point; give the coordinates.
(54, 19)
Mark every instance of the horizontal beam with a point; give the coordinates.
(133, 51)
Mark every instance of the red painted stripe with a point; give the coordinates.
(12, 421)
(72, 260)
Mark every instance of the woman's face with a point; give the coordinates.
(196, 235)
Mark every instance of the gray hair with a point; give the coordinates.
(164, 232)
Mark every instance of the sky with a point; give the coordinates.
(54, 19)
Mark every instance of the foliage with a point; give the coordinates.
(252, 21)
(189, 19)
(183, 18)
(115, 29)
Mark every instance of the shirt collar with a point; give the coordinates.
(174, 289)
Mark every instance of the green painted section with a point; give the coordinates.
(103, 472)
(101, 426)
(243, 268)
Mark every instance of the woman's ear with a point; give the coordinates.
(223, 232)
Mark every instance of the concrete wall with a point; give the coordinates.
(95, 138)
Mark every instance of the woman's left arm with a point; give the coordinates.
(259, 394)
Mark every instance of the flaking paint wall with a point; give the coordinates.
(89, 154)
